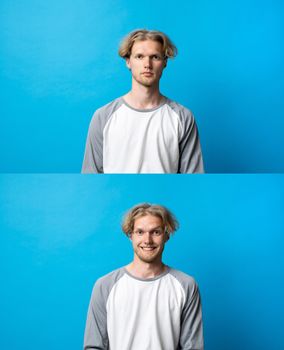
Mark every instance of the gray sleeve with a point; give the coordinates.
(191, 337)
(93, 158)
(191, 160)
(96, 336)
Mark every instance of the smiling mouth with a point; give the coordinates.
(148, 248)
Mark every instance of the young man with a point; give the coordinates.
(145, 305)
(143, 131)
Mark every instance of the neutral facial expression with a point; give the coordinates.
(146, 62)
(148, 238)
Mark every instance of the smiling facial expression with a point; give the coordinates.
(146, 62)
(148, 239)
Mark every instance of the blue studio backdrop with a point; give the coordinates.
(59, 63)
(60, 233)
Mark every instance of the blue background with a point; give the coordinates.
(59, 63)
(60, 233)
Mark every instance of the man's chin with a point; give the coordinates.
(146, 82)
(148, 259)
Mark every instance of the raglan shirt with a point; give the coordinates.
(129, 313)
(122, 139)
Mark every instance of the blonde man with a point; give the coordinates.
(143, 131)
(145, 305)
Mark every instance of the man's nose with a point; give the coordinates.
(147, 61)
(148, 237)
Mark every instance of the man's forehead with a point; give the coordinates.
(148, 219)
(147, 45)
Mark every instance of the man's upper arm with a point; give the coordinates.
(191, 160)
(96, 336)
(191, 336)
(93, 157)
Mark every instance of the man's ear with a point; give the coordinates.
(167, 237)
(127, 60)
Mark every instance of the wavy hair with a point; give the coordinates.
(125, 47)
(169, 221)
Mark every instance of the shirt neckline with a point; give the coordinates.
(163, 102)
(147, 279)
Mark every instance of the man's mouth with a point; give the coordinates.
(148, 248)
(147, 74)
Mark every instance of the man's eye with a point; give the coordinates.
(156, 58)
(139, 57)
(157, 232)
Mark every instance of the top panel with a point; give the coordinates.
(59, 64)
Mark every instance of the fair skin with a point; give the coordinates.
(148, 240)
(146, 63)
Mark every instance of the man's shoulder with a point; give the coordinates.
(181, 110)
(107, 281)
(104, 113)
(110, 107)
(104, 285)
(187, 282)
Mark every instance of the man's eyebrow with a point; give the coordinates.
(154, 228)
(142, 53)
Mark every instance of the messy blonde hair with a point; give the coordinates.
(169, 49)
(168, 219)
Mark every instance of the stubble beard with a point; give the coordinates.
(147, 82)
(148, 258)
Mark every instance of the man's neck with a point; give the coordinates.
(145, 270)
(141, 97)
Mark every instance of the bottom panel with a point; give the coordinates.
(59, 233)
